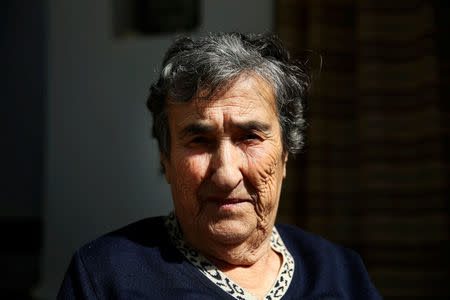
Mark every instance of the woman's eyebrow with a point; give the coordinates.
(195, 129)
(199, 128)
(253, 125)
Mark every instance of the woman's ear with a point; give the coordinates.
(166, 164)
(285, 159)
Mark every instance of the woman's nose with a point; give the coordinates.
(226, 166)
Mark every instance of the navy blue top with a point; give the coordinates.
(139, 262)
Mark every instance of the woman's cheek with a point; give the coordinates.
(192, 169)
(264, 170)
(190, 172)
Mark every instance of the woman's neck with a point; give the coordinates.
(256, 278)
(255, 270)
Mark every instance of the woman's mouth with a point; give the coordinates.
(227, 203)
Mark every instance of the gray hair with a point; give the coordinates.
(214, 61)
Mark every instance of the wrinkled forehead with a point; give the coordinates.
(247, 92)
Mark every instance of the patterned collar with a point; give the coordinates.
(278, 289)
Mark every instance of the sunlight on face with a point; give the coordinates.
(226, 164)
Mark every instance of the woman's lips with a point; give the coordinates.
(227, 201)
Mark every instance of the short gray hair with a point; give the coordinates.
(213, 61)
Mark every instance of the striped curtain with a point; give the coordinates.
(374, 174)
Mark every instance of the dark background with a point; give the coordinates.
(375, 172)
(22, 93)
(77, 160)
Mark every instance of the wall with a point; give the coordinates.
(101, 165)
(22, 92)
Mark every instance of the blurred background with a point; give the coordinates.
(78, 161)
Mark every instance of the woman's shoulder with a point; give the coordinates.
(324, 267)
(139, 254)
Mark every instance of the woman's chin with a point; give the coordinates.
(231, 231)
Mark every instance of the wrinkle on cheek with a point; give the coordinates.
(266, 187)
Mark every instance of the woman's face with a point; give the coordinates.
(226, 164)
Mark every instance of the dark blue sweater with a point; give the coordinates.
(139, 262)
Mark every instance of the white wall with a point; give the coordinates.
(102, 166)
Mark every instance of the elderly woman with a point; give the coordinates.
(227, 112)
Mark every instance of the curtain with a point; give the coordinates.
(374, 173)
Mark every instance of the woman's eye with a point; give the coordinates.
(250, 137)
(199, 140)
